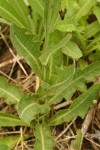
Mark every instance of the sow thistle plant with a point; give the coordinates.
(56, 39)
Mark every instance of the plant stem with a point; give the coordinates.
(47, 27)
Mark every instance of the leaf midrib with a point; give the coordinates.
(82, 76)
(78, 54)
(26, 108)
(71, 110)
(5, 91)
(40, 5)
(11, 119)
(42, 138)
(12, 16)
(28, 52)
(22, 12)
(82, 9)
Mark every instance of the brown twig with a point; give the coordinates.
(62, 105)
(65, 130)
(11, 51)
(11, 61)
(87, 120)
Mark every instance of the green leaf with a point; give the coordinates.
(95, 56)
(91, 71)
(57, 58)
(9, 13)
(10, 92)
(78, 108)
(3, 147)
(92, 29)
(79, 139)
(27, 46)
(21, 9)
(29, 108)
(96, 11)
(65, 76)
(7, 120)
(77, 143)
(85, 6)
(67, 89)
(47, 15)
(9, 141)
(67, 25)
(66, 4)
(36, 15)
(51, 51)
(72, 50)
(43, 137)
(50, 16)
(55, 14)
(37, 6)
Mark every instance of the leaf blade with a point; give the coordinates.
(89, 73)
(9, 141)
(72, 50)
(29, 108)
(77, 109)
(85, 8)
(37, 5)
(20, 8)
(96, 11)
(48, 53)
(67, 25)
(10, 120)
(10, 92)
(42, 133)
(8, 13)
(27, 46)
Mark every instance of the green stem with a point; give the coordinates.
(47, 32)
(47, 28)
(44, 72)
